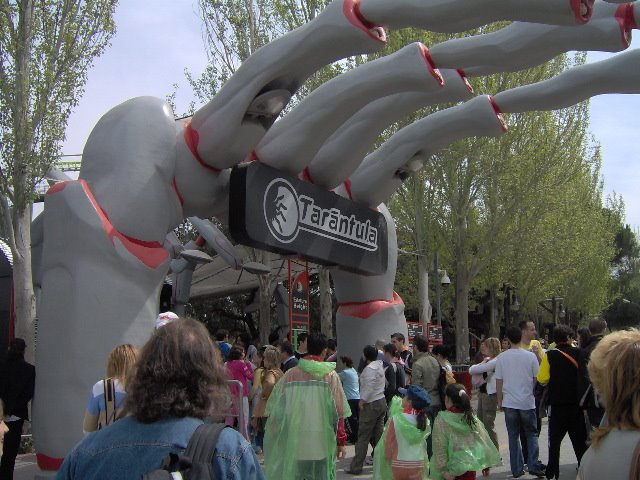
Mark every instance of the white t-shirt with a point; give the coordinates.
(517, 368)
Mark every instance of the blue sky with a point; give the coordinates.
(158, 39)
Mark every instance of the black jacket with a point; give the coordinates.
(17, 382)
(584, 382)
(563, 383)
(292, 362)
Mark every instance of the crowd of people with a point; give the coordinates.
(292, 413)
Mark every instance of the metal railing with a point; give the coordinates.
(236, 401)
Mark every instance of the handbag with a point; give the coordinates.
(541, 394)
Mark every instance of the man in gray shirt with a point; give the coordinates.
(516, 372)
(426, 370)
(425, 373)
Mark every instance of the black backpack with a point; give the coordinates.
(196, 462)
(444, 379)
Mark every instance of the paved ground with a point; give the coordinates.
(26, 468)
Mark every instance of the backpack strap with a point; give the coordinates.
(569, 357)
(202, 445)
(109, 391)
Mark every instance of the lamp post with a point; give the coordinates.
(557, 310)
(511, 303)
(444, 280)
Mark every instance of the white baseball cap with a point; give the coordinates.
(164, 318)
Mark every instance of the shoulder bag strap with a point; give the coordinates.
(569, 357)
(109, 401)
(106, 405)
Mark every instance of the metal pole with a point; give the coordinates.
(437, 280)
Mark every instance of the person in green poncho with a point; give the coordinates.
(402, 446)
(461, 445)
(304, 433)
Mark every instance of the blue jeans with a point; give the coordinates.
(527, 419)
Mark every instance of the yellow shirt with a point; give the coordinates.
(544, 372)
(540, 354)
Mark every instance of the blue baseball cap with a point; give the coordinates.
(419, 397)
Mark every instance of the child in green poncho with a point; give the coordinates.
(461, 445)
(402, 446)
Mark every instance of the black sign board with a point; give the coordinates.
(276, 212)
(414, 328)
(434, 334)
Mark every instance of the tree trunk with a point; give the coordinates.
(494, 317)
(423, 292)
(462, 313)
(424, 305)
(326, 304)
(24, 298)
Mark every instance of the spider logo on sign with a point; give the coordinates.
(286, 213)
(281, 210)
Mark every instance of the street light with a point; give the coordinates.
(515, 306)
(511, 303)
(626, 300)
(563, 312)
(556, 310)
(444, 280)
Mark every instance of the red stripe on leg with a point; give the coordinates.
(369, 308)
(191, 139)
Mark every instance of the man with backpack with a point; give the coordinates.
(559, 370)
(178, 382)
(426, 373)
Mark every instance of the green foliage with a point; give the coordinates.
(624, 311)
(41, 79)
(46, 50)
(525, 209)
